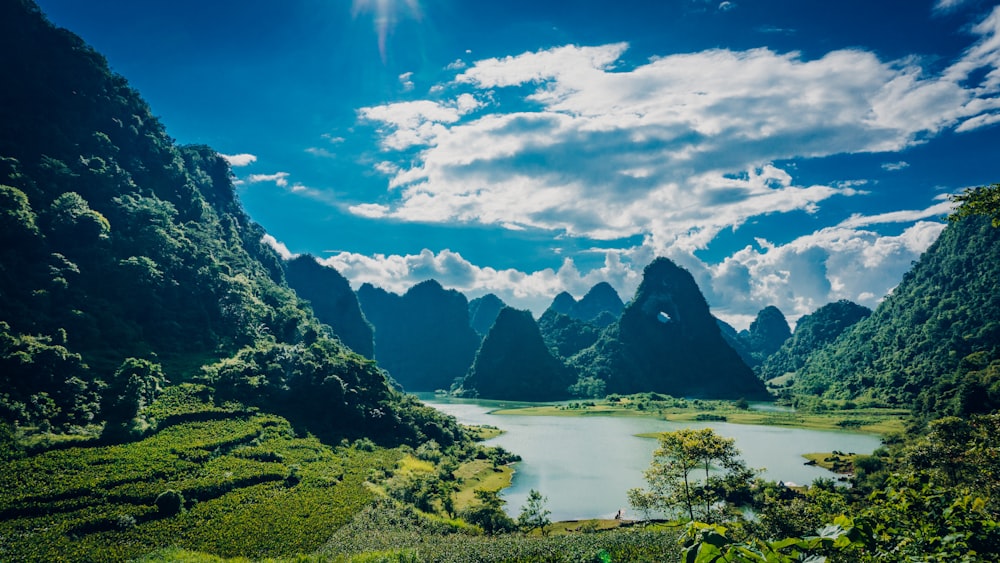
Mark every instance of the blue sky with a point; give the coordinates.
(787, 153)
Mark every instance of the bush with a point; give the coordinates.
(169, 502)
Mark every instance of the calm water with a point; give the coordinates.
(585, 465)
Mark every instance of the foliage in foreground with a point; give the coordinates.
(393, 528)
(230, 485)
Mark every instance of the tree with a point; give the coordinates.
(489, 514)
(984, 200)
(673, 481)
(135, 385)
(534, 514)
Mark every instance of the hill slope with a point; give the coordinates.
(126, 262)
(333, 302)
(938, 325)
(812, 332)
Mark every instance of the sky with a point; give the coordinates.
(786, 152)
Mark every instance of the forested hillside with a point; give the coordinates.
(600, 306)
(483, 312)
(126, 262)
(935, 338)
(333, 302)
(812, 332)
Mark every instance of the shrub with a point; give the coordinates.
(169, 502)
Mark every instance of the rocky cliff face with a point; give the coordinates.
(422, 338)
(666, 340)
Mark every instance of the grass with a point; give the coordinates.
(479, 474)
(878, 421)
(482, 433)
(251, 488)
(837, 462)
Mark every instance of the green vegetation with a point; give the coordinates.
(676, 488)
(817, 414)
(812, 332)
(423, 337)
(514, 363)
(229, 485)
(932, 342)
(667, 341)
(333, 302)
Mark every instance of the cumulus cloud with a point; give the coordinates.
(236, 160)
(278, 247)
(677, 148)
(577, 141)
(830, 264)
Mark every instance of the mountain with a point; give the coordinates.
(600, 306)
(423, 338)
(667, 341)
(935, 339)
(766, 334)
(483, 312)
(732, 337)
(812, 332)
(333, 302)
(127, 263)
(515, 364)
(566, 335)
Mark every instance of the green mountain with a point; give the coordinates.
(423, 338)
(935, 339)
(566, 335)
(667, 341)
(732, 337)
(515, 364)
(483, 312)
(600, 306)
(766, 334)
(127, 262)
(812, 332)
(333, 302)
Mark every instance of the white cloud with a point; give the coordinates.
(578, 142)
(406, 80)
(280, 179)
(236, 160)
(936, 211)
(675, 149)
(278, 247)
(830, 264)
(947, 5)
(798, 277)
(320, 151)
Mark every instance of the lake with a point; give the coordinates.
(585, 465)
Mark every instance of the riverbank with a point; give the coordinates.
(878, 421)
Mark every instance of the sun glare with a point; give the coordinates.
(385, 15)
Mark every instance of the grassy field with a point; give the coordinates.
(879, 421)
(242, 484)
